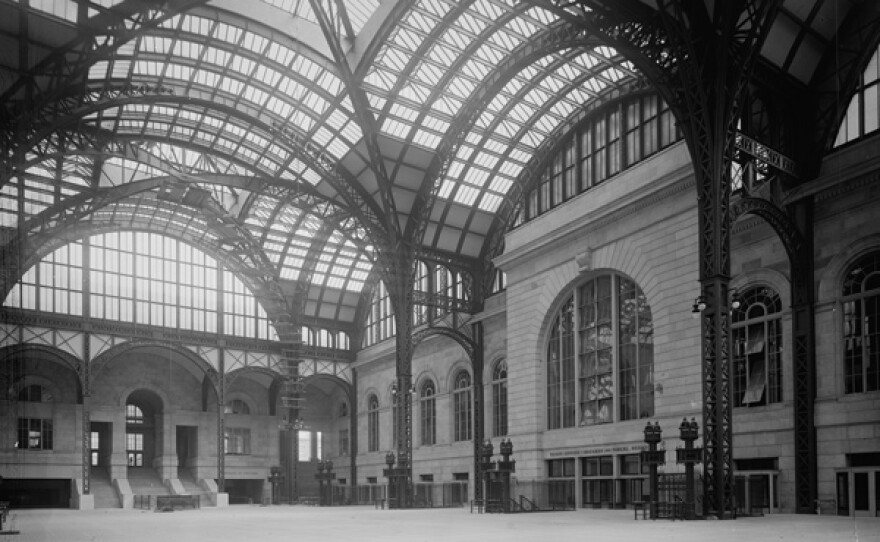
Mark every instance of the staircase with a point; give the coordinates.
(146, 481)
(101, 488)
(192, 487)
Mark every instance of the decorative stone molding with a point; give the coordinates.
(584, 260)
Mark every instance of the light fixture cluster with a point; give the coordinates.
(700, 303)
(412, 388)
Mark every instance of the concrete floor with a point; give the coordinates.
(366, 524)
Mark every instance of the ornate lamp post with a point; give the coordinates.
(487, 467)
(689, 455)
(325, 474)
(389, 473)
(653, 457)
(276, 477)
(505, 467)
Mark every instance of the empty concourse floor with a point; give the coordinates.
(366, 524)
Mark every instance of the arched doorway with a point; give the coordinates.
(143, 429)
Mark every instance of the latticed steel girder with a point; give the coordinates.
(837, 76)
(463, 335)
(556, 37)
(445, 302)
(98, 37)
(303, 195)
(311, 259)
(803, 336)
(71, 109)
(68, 66)
(247, 258)
(363, 114)
(700, 63)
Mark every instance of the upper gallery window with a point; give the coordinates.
(863, 113)
(144, 279)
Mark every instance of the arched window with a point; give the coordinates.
(757, 348)
(325, 340)
(499, 399)
(428, 411)
(134, 436)
(861, 325)
(602, 335)
(863, 114)
(373, 424)
(342, 341)
(35, 393)
(422, 284)
(380, 324)
(461, 399)
(237, 406)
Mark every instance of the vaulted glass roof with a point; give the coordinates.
(319, 134)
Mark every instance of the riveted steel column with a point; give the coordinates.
(804, 364)
(479, 407)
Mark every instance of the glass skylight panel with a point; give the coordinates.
(612, 74)
(98, 70)
(509, 168)
(408, 39)
(489, 202)
(197, 25)
(466, 194)
(254, 43)
(337, 148)
(426, 139)
(446, 188)
(64, 9)
(382, 79)
(352, 132)
(155, 44)
(360, 11)
(187, 49)
(300, 8)
(476, 69)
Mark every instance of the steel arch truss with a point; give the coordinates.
(803, 339)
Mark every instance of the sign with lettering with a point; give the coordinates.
(598, 450)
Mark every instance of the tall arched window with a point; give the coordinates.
(499, 399)
(380, 324)
(373, 424)
(134, 435)
(757, 348)
(613, 343)
(428, 411)
(461, 399)
(861, 325)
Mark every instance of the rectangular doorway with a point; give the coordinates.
(187, 450)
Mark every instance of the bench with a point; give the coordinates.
(640, 505)
(167, 503)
